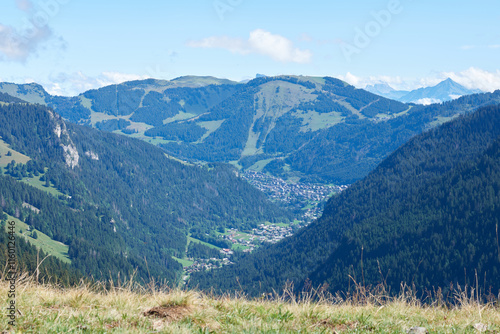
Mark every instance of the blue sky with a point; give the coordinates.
(70, 46)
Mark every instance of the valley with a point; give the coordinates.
(223, 189)
(239, 242)
(89, 186)
(231, 166)
(304, 199)
(424, 214)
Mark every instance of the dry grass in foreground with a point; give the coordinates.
(131, 309)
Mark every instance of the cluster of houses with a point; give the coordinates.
(271, 233)
(281, 190)
(295, 194)
(207, 264)
(263, 233)
(226, 252)
(299, 195)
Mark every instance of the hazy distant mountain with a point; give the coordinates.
(6, 98)
(387, 91)
(33, 93)
(446, 90)
(311, 128)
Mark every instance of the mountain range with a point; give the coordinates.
(111, 204)
(315, 129)
(117, 205)
(446, 90)
(427, 217)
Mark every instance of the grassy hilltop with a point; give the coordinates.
(92, 309)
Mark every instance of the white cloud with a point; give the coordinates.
(117, 77)
(476, 78)
(17, 46)
(427, 101)
(76, 83)
(472, 78)
(18, 43)
(260, 42)
(397, 82)
(352, 79)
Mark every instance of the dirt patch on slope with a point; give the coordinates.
(169, 313)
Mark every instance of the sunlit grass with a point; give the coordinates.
(43, 241)
(129, 308)
(14, 155)
(191, 239)
(184, 262)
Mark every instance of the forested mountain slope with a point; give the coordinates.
(428, 215)
(6, 98)
(317, 129)
(28, 259)
(121, 201)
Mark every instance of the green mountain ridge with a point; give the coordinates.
(427, 216)
(124, 203)
(314, 129)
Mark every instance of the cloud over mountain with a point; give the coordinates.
(477, 78)
(260, 42)
(69, 84)
(471, 78)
